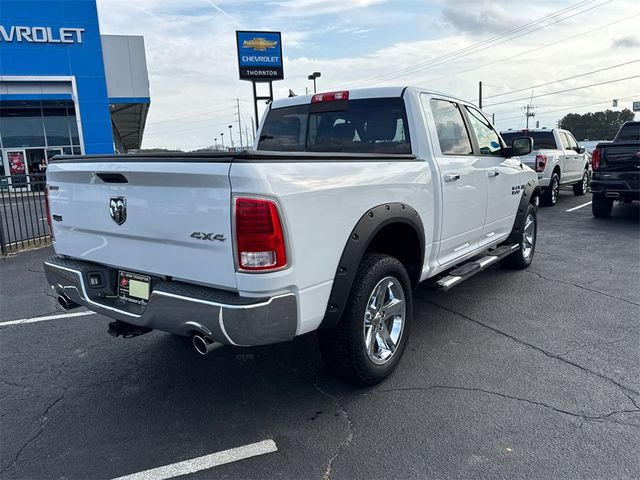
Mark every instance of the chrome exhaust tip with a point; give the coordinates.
(204, 345)
(66, 303)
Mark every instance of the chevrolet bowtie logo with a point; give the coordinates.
(259, 44)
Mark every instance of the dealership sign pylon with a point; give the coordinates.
(260, 61)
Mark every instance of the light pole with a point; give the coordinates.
(231, 135)
(222, 139)
(215, 140)
(313, 77)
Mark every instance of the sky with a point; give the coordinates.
(515, 47)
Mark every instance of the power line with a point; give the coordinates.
(562, 79)
(449, 75)
(564, 91)
(208, 121)
(204, 113)
(461, 53)
(572, 107)
(462, 50)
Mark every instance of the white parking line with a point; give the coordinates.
(579, 206)
(203, 463)
(44, 319)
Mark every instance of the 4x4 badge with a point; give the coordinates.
(208, 236)
(118, 209)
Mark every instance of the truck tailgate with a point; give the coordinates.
(178, 218)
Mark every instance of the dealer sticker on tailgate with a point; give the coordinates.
(133, 287)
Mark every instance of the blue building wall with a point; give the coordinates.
(82, 60)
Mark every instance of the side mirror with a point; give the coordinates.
(521, 146)
(580, 149)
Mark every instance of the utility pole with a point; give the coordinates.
(239, 122)
(246, 135)
(493, 118)
(480, 95)
(253, 130)
(530, 110)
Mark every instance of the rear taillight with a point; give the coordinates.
(48, 210)
(330, 97)
(259, 237)
(596, 157)
(541, 163)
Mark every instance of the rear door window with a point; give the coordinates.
(573, 145)
(564, 140)
(450, 127)
(375, 125)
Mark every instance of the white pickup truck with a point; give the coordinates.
(558, 159)
(349, 200)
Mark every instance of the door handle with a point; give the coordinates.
(493, 173)
(451, 177)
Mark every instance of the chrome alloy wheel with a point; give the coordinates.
(555, 191)
(384, 320)
(585, 182)
(528, 236)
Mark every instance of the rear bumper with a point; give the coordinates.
(181, 308)
(623, 185)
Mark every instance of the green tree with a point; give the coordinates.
(596, 125)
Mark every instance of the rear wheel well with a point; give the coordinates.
(400, 240)
(556, 169)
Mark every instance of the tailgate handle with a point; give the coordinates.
(112, 177)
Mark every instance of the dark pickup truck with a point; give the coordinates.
(616, 170)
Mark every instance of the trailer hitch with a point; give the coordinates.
(126, 330)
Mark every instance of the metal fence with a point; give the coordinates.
(23, 213)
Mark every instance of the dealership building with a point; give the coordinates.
(64, 87)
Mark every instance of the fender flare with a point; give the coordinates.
(374, 220)
(530, 191)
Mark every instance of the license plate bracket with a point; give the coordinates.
(133, 287)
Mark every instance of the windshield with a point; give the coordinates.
(541, 140)
(374, 125)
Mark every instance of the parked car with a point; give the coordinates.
(616, 170)
(558, 159)
(350, 200)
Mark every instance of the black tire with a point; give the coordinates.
(601, 207)
(550, 195)
(524, 256)
(582, 187)
(344, 348)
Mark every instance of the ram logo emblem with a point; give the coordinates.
(118, 209)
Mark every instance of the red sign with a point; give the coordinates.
(16, 163)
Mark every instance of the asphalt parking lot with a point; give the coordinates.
(529, 374)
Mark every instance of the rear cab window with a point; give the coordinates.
(541, 140)
(372, 125)
(629, 133)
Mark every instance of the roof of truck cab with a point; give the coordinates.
(532, 130)
(360, 93)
